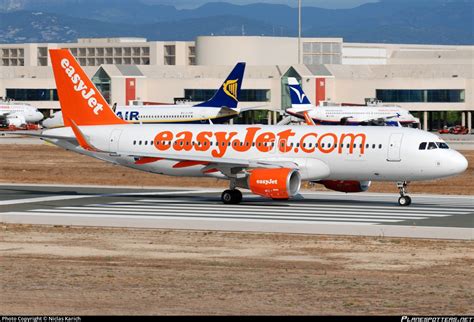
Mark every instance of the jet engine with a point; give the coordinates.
(278, 183)
(346, 185)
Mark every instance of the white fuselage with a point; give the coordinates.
(359, 114)
(160, 114)
(29, 113)
(330, 152)
(172, 113)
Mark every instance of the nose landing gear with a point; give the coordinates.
(404, 199)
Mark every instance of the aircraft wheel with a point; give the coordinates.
(404, 201)
(231, 196)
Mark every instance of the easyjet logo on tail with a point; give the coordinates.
(230, 88)
(79, 86)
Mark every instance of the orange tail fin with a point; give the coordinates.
(80, 100)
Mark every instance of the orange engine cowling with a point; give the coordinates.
(278, 183)
(346, 185)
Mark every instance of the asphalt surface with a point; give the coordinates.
(368, 214)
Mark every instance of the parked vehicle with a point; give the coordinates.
(457, 129)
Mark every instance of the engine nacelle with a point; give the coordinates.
(346, 185)
(278, 183)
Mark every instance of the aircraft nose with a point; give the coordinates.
(458, 163)
(38, 116)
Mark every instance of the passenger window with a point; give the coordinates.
(432, 146)
(380, 146)
(373, 146)
(422, 146)
(139, 142)
(134, 142)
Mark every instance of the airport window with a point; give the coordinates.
(421, 95)
(422, 146)
(26, 94)
(246, 95)
(432, 146)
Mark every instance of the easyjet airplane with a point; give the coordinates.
(271, 161)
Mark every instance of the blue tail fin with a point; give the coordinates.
(227, 95)
(298, 97)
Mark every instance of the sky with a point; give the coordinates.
(330, 4)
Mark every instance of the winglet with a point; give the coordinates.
(308, 119)
(228, 94)
(80, 100)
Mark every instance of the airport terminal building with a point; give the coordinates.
(434, 82)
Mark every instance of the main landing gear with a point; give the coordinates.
(404, 199)
(231, 196)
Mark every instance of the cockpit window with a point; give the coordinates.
(422, 146)
(442, 145)
(432, 146)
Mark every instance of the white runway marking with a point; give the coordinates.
(321, 213)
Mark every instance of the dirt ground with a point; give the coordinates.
(65, 270)
(49, 164)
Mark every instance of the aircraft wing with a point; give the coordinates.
(379, 118)
(223, 162)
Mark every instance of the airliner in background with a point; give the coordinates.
(221, 107)
(18, 114)
(346, 115)
(270, 161)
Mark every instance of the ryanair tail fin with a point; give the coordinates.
(228, 94)
(81, 102)
(298, 97)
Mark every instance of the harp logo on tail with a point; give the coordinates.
(230, 88)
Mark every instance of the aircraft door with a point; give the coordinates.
(114, 140)
(394, 146)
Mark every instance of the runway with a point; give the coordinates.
(366, 214)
